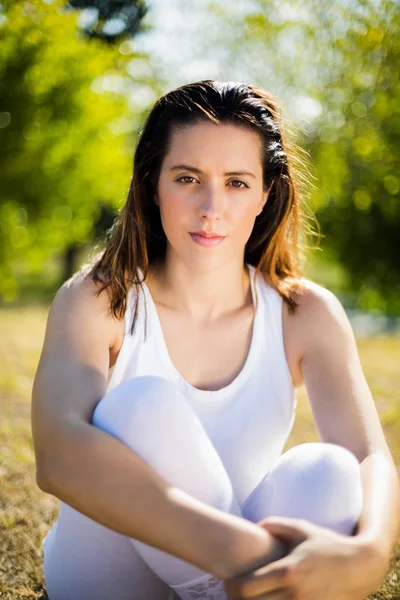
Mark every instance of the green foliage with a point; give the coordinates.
(356, 154)
(67, 114)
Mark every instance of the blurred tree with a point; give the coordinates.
(356, 154)
(111, 20)
(69, 110)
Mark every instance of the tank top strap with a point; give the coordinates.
(272, 312)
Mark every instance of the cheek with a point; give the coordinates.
(173, 213)
(244, 218)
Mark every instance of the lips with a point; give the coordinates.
(207, 234)
(209, 241)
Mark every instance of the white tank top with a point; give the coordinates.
(249, 420)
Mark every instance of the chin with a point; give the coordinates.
(206, 264)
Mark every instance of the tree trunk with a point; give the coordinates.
(69, 260)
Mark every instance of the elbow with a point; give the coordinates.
(42, 483)
(48, 452)
(43, 479)
(56, 461)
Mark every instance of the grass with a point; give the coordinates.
(27, 513)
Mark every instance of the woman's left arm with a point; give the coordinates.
(345, 414)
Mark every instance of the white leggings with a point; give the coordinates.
(315, 481)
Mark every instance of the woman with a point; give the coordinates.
(166, 388)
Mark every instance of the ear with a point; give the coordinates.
(155, 198)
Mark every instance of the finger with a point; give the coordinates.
(297, 531)
(274, 576)
(283, 594)
(296, 523)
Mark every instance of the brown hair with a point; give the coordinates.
(137, 239)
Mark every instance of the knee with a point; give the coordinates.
(320, 482)
(320, 467)
(322, 459)
(136, 404)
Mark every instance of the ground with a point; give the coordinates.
(27, 513)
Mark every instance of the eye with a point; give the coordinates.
(184, 177)
(180, 179)
(238, 181)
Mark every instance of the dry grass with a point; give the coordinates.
(26, 513)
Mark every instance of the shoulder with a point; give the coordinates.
(80, 301)
(314, 299)
(319, 319)
(80, 290)
(307, 294)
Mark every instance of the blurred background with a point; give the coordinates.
(77, 80)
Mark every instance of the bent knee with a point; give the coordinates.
(319, 459)
(135, 401)
(317, 470)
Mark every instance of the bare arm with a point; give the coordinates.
(97, 474)
(345, 414)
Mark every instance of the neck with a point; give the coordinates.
(203, 296)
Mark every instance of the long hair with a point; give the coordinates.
(137, 239)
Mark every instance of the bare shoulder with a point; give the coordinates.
(79, 304)
(319, 320)
(311, 297)
(316, 303)
(82, 285)
(319, 316)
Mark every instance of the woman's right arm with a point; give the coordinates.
(96, 473)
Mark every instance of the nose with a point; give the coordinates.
(211, 206)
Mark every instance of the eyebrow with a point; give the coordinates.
(196, 170)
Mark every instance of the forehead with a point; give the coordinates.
(212, 143)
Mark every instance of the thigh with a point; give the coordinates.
(84, 560)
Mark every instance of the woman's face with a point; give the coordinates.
(197, 191)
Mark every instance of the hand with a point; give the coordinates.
(321, 564)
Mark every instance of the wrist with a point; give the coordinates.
(220, 543)
(252, 550)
